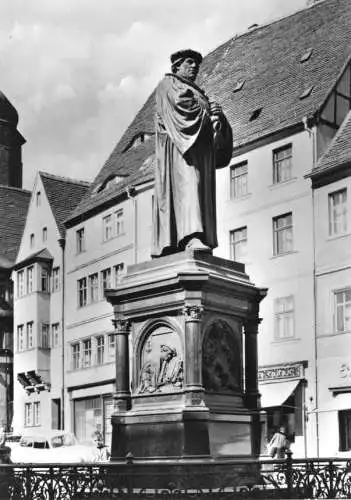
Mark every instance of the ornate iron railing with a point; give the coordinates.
(310, 478)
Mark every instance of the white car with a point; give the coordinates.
(55, 447)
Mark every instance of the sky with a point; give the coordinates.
(77, 71)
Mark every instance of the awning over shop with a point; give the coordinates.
(276, 394)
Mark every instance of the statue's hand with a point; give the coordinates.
(215, 109)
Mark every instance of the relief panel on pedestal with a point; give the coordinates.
(160, 362)
(221, 359)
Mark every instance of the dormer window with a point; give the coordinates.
(306, 55)
(108, 183)
(239, 85)
(255, 114)
(306, 93)
(138, 139)
(38, 198)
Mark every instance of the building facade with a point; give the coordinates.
(285, 88)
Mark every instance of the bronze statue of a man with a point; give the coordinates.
(193, 138)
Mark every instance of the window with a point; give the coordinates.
(111, 347)
(36, 413)
(75, 352)
(344, 430)
(282, 164)
(38, 198)
(238, 244)
(106, 279)
(283, 234)
(30, 343)
(100, 349)
(32, 414)
(284, 317)
(56, 279)
(86, 361)
(117, 273)
(20, 338)
(44, 281)
(45, 233)
(343, 310)
(82, 292)
(119, 222)
(94, 287)
(238, 180)
(55, 334)
(20, 283)
(107, 228)
(338, 212)
(30, 271)
(80, 240)
(45, 336)
(31, 240)
(28, 414)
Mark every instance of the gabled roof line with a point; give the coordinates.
(64, 179)
(333, 86)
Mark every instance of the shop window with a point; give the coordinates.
(344, 430)
(289, 415)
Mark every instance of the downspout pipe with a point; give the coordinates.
(62, 243)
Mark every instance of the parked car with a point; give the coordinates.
(50, 448)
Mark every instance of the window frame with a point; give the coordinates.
(119, 222)
(21, 346)
(118, 271)
(239, 182)
(75, 356)
(93, 288)
(55, 278)
(44, 280)
(82, 292)
(55, 334)
(332, 213)
(100, 349)
(278, 231)
(233, 245)
(336, 315)
(87, 350)
(30, 334)
(107, 227)
(80, 240)
(20, 283)
(104, 273)
(344, 419)
(283, 317)
(279, 162)
(30, 279)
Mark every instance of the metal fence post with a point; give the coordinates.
(289, 473)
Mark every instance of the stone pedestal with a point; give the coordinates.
(186, 325)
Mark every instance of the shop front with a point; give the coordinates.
(282, 389)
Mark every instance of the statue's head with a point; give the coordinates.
(186, 63)
(167, 352)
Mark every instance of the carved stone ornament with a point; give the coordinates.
(121, 325)
(221, 359)
(161, 363)
(192, 312)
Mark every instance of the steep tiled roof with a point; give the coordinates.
(338, 153)
(268, 60)
(63, 194)
(13, 212)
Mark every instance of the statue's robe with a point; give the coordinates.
(187, 154)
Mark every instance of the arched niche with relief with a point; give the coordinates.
(221, 358)
(160, 367)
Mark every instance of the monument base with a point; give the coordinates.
(194, 399)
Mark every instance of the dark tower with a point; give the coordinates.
(10, 145)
